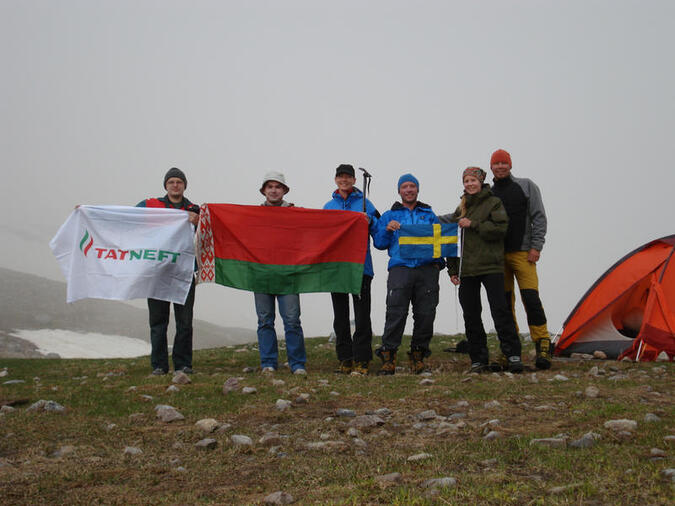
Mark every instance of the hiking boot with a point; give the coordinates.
(515, 364)
(268, 370)
(478, 367)
(388, 362)
(345, 367)
(186, 370)
(360, 368)
(159, 372)
(417, 365)
(300, 371)
(543, 348)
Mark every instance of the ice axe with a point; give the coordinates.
(366, 185)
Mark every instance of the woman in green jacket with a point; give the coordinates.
(483, 222)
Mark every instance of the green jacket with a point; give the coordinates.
(483, 241)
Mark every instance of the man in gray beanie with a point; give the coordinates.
(175, 184)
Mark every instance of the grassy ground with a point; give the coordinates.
(617, 470)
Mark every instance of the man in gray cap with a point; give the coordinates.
(175, 184)
(274, 188)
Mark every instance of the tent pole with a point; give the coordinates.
(637, 357)
(555, 338)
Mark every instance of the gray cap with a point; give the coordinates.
(274, 176)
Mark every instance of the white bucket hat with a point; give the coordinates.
(274, 176)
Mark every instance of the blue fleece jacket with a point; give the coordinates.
(385, 239)
(354, 202)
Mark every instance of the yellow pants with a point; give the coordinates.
(516, 265)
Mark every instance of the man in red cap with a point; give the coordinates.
(522, 246)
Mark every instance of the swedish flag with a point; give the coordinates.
(428, 240)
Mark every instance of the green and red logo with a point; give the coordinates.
(84, 245)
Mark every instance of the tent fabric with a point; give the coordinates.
(630, 310)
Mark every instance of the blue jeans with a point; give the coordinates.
(289, 309)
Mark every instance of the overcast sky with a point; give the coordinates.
(100, 98)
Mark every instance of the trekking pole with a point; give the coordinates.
(366, 185)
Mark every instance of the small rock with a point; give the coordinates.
(550, 442)
(446, 482)
(600, 355)
(278, 382)
(621, 425)
(131, 389)
(13, 382)
(248, 370)
(565, 488)
(249, 390)
(64, 450)
(492, 404)
(427, 381)
(360, 443)
(136, 417)
(389, 478)
(560, 377)
(419, 457)
(279, 497)
(652, 418)
(488, 462)
(43, 405)
(581, 356)
(366, 421)
(230, 385)
(282, 404)
(533, 378)
(352, 432)
(349, 413)
(132, 450)
(593, 371)
(240, 440)
(383, 412)
(591, 392)
(206, 444)
(167, 414)
(492, 435)
(587, 441)
(302, 399)
(669, 473)
(429, 414)
(172, 389)
(543, 407)
(270, 439)
(207, 425)
(670, 439)
(180, 378)
(146, 398)
(618, 377)
(7, 409)
(657, 452)
(4, 373)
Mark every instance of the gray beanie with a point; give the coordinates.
(175, 172)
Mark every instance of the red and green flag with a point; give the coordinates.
(281, 250)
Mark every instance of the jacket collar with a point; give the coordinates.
(354, 193)
(419, 205)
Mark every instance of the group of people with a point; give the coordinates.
(502, 226)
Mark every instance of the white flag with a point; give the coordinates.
(122, 253)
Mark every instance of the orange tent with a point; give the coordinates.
(630, 310)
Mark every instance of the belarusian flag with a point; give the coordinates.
(281, 250)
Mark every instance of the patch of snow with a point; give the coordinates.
(69, 344)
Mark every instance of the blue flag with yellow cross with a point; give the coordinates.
(428, 240)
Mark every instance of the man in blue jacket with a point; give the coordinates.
(353, 352)
(410, 280)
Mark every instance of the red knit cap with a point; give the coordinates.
(500, 156)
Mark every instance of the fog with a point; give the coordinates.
(100, 98)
